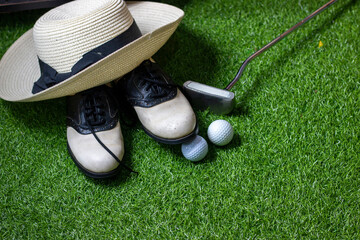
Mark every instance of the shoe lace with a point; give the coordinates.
(153, 80)
(94, 111)
(95, 116)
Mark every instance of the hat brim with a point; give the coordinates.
(19, 67)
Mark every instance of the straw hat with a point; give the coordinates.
(83, 44)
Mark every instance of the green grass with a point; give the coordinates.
(292, 170)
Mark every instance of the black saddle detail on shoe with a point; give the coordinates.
(96, 107)
(147, 86)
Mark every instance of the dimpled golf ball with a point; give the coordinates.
(196, 149)
(220, 132)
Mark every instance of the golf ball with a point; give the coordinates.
(196, 149)
(220, 132)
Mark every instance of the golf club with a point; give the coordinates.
(222, 101)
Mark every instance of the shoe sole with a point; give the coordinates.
(173, 141)
(91, 174)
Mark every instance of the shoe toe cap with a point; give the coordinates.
(90, 155)
(171, 119)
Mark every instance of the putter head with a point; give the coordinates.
(204, 97)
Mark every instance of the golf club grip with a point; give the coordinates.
(273, 42)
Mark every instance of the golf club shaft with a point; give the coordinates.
(273, 42)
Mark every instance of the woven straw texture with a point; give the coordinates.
(64, 34)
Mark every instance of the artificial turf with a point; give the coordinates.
(291, 171)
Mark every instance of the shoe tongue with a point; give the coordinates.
(152, 70)
(93, 90)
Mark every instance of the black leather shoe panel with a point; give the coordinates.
(95, 106)
(147, 86)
